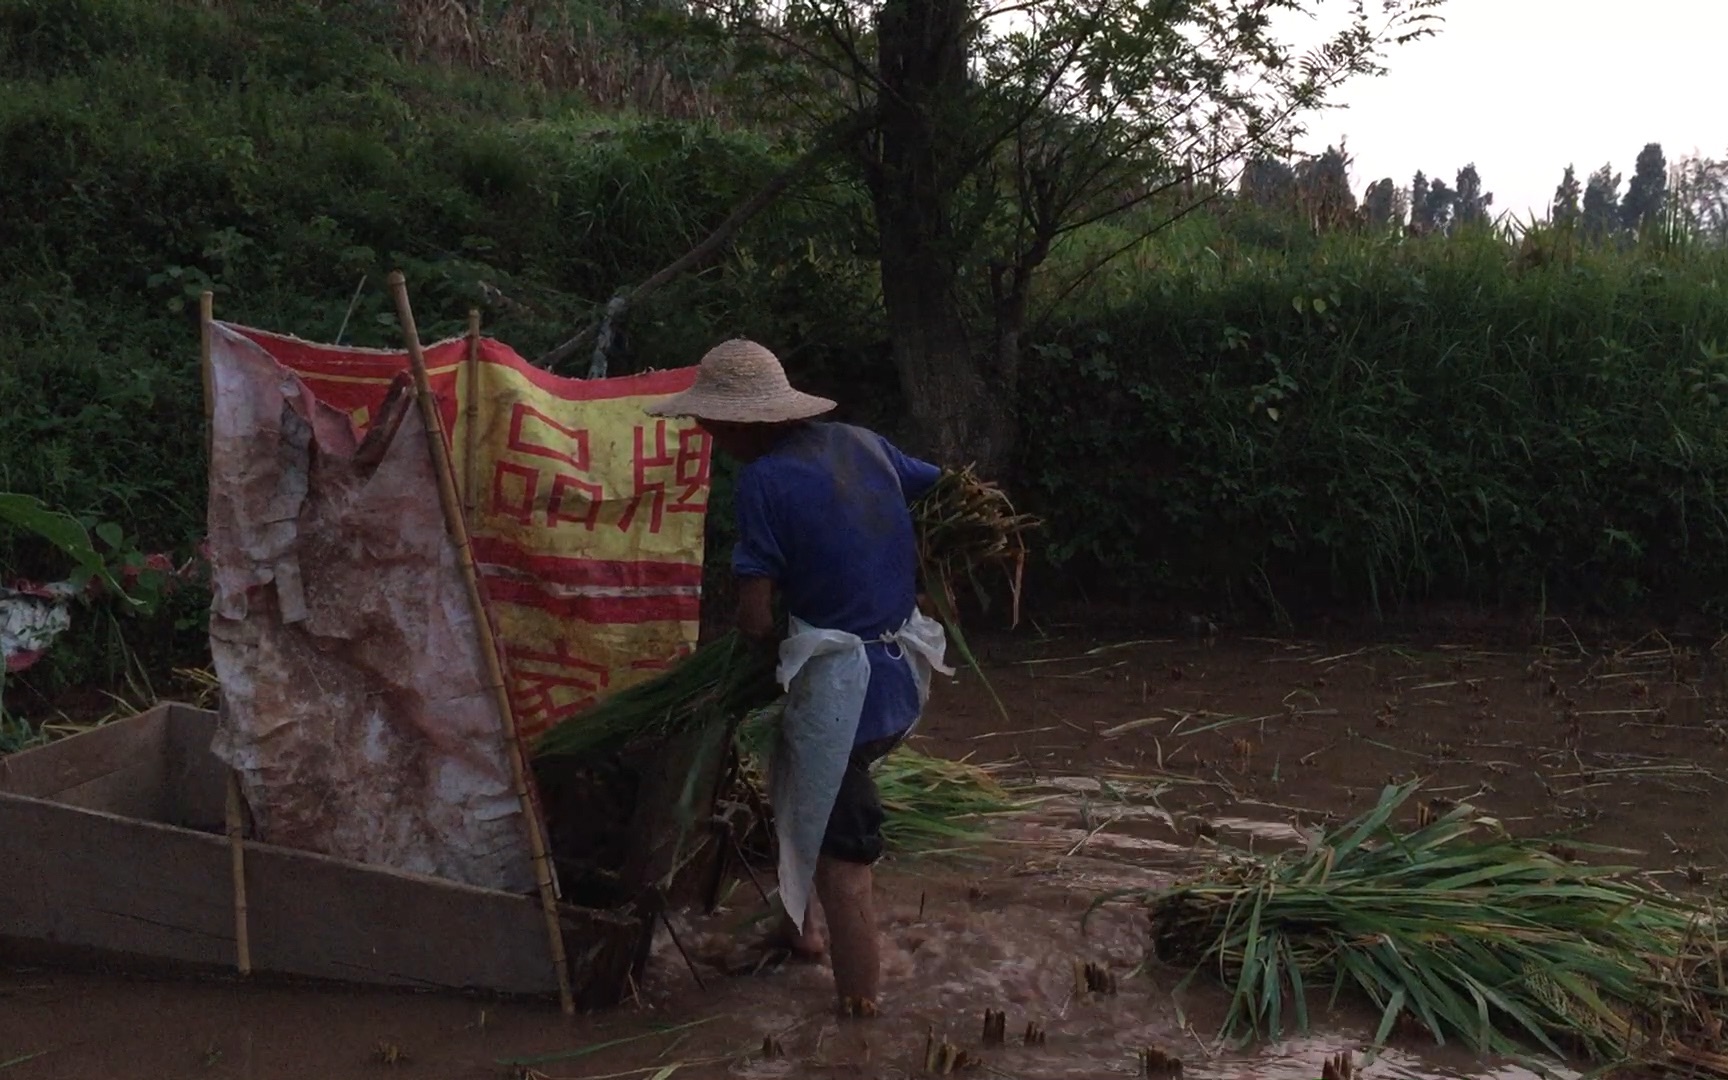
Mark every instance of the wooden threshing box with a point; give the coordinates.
(112, 847)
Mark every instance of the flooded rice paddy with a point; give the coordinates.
(1144, 755)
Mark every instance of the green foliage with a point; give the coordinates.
(1698, 199)
(1472, 202)
(1600, 217)
(64, 532)
(985, 141)
(104, 567)
(1380, 205)
(1565, 210)
(1439, 206)
(1390, 421)
(287, 159)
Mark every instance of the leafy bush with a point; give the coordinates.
(1395, 421)
(103, 571)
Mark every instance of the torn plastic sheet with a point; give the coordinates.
(354, 703)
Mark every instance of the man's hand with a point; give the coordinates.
(756, 609)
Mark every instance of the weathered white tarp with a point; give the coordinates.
(353, 698)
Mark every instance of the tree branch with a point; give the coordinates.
(764, 197)
(1117, 252)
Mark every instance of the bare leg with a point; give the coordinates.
(848, 899)
(809, 944)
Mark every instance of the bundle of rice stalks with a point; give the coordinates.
(727, 678)
(934, 804)
(1459, 929)
(965, 523)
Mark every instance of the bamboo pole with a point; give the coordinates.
(237, 868)
(233, 811)
(488, 640)
(470, 435)
(206, 316)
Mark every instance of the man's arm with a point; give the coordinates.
(917, 477)
(756, 608)
(757, 561)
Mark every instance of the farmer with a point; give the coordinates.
(823, 517)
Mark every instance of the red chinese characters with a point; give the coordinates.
(556, 484)
(572, 497)
(552, 685)
(670, 479)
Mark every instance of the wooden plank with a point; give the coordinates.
(134, 791)
(197, 780)
(119, 768)
(86, 878)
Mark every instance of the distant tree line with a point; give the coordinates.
(1685, 199)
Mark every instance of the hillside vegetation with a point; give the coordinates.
(1240, 412)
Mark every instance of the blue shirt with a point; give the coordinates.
(824, 515)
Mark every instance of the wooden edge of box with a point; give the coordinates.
(92, 879)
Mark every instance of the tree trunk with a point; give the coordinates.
(960, 398)
(960, 413)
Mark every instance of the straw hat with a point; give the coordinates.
(740, 382)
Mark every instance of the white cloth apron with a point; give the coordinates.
(826, 673)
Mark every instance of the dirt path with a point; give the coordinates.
(1161, 744)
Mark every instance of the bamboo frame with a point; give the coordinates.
(206, 316)
(471, 497)
(458, 528)
(233, 813)
(236, 822)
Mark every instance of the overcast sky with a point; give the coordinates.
(1524, 87)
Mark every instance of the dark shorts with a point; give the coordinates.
(855, 824)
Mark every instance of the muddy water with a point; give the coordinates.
(1618, 744)
(1150, 752)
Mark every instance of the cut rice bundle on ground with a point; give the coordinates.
(934, 804)
(1458, 929)
(937, 804)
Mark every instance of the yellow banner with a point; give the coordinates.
(587, 518)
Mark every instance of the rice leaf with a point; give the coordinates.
(1389, 1016)
(595, 1048)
